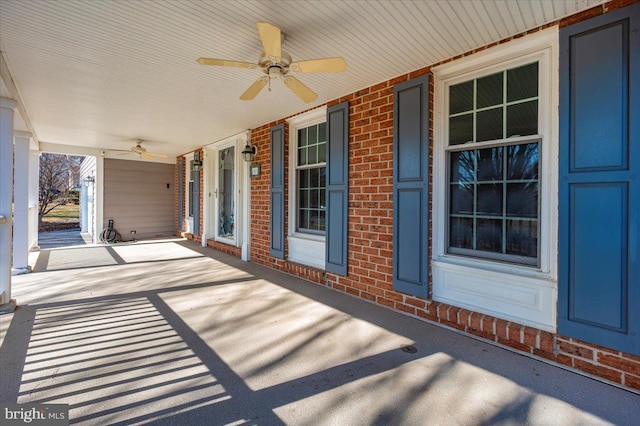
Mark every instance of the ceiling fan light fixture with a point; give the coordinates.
(275, 72)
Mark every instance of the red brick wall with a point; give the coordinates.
(370, 234)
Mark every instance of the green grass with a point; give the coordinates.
(66, 213)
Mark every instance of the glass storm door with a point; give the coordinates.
(225, 193)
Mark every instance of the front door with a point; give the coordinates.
(226, 194)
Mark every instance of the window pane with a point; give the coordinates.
(302, 137)
(461, 199)
(303, 200)
(312, 135)
(461, 97)
(490, 199)
(461, 129)
(313, 154)
(522, 199)
(322, 132)
(522, 238)
(321, 152)
(314, 199)
(522, 162)
(313, 178)
(490, 164)
(191, 199)
(462, 166)
(316, 220)
(489, 125)
(522, 119)
(303, 219)
(461, 233)
(321, 221)
(522, 82)
(489, 235)
(311, 199)
(489, 91)
(303, 181)
(302, 156)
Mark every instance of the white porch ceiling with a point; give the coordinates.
(102, 73)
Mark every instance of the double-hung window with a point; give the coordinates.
(495, 177)
(311, 179)
(493, 161)
(307, 188)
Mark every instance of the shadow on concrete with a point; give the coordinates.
(62, 238)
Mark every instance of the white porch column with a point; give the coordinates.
(6, 193)
(34, 191)
(84, 194)
(98, 200)
(21, 203)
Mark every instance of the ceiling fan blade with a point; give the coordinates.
(146, 156)
(226, 63)
(254, 89)
(271, 39)
(337, 64)
(155, 154)
(300, 89)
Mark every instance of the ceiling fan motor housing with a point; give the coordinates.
(275, 69)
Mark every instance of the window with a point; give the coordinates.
(307, 188)
(311, 178)
(493, 197)
(191, 198)
(495, 179)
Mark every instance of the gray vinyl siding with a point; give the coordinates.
(136, 197)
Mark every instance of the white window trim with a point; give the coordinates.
(304, 248)
(523, 294)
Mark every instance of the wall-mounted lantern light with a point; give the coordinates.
(89, 180)
(249, 152)
(196, 165)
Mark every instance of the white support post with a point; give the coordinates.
(34, 191)
(21, 203)
(6, 192)
(98, 200)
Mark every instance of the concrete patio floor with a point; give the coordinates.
(166, 332)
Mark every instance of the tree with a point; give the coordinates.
(58, 177)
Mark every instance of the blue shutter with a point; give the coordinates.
(277, 191)
(410, 186)
(337, 188)
(180, 191)
(196, 198)
(599, 189)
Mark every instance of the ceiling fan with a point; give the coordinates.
(138, 149)
(277, 64)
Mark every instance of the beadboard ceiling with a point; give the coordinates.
(101, 73)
